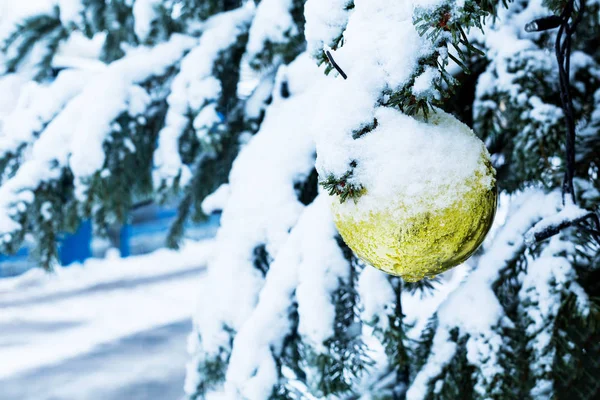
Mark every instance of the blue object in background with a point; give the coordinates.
(14, 264)
(146, 232)
(76, 247)
(124, 240)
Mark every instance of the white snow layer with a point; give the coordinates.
(504, 42)
(37, 105)
(299, 264)
(11, 86)
(216, 201)
(235, 296)
(548, 278)
(13, 13)
(262, 212)
(325, 23)
(194, 88)
(570, 212)
(71, 12)
(376, 295)
(98, 302)
(113, 90)
(257, 101)
(273, 24)
(279, 153)
(75, 137)
(79, 51)
(319, 277)
(144, 15)
(429, 163)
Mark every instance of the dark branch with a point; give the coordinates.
(543, 24)
(337, 67)
(555, 229)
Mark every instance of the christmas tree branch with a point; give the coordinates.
(335, 65)
(444, 26)
(552, 226)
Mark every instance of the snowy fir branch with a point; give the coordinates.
(232, 106)
(445, 28)
(21, 41)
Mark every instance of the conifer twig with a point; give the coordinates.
(335, 65)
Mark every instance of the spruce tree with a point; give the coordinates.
(159, 108)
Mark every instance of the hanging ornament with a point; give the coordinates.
(427, 195)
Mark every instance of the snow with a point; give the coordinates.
(217, 200)
(319, 275)
(113, 90)
(98, 302)
(420, 307)
(238, 297)
(378, 298)
(11, 15)
(144, 365)
(74, 115)
(204, 122)
(272, 24)
(542, 294)
(144, 15)
(195, 88)
(376, 295)
(37, 105)
(71, 12)
(544, 113)
(424, 83)
(325, 22)
(507, 42)
(11, 86)
(248, 217)
(429, 163)
(257, 102)
(570, 212)
(80, 52)
(442, 350)
(252, 369)
(251, 219)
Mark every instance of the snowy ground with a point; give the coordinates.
(113, 329)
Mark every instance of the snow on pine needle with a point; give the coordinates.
(474, 309)
(257, 216)
(93, 111)
(325, 23)
(195, 91)
(253, 369)
(549, 278)
(71, 11)
(272, 25)
(38, 105)
(145, 13)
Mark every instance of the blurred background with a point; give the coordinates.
(112, 319)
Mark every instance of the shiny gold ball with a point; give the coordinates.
(423, 244)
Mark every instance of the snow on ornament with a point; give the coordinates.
(427, 194)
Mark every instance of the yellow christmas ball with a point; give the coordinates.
(429, 221)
